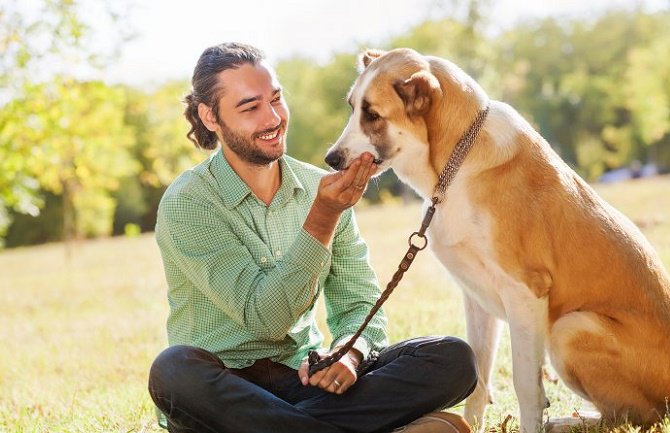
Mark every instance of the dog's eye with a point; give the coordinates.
(371, 116)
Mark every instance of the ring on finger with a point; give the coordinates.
(336, 383)
(360, 186)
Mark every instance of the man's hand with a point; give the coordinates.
(338, 377)
(342, 189)
(337, 192)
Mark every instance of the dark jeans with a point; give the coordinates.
(199, 394)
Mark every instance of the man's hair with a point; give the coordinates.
(206, 88)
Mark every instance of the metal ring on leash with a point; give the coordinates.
(411, 244)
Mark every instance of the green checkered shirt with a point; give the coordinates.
(244, 277)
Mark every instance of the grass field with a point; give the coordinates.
(78, 336)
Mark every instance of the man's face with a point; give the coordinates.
(253, 117)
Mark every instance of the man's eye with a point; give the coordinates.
(250, 109)
(277, 99)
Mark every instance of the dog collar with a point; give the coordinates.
(458, 156)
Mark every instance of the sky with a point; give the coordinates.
(172, 34)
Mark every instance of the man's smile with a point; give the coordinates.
(270, 136)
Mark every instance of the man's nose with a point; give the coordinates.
(272, 117)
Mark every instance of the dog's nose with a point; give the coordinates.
(334, 159)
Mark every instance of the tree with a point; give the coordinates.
(646, 92)
(38, 41)
(573, 80)
(161, 148)
(77, 142)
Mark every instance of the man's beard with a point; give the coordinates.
(245, 147)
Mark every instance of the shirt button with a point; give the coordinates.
(322, 263)
(264, 259)
(278, 253)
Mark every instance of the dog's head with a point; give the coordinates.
(389, 101)
(402, 102)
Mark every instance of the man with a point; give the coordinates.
(250, 238)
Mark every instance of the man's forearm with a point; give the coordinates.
(321, 223)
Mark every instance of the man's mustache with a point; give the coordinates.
(271, 130)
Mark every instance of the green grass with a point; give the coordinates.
(78, 336)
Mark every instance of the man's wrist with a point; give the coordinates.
(321, 222)
(354, 355)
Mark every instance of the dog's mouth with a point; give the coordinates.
(337, 160)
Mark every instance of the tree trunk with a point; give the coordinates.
(69, 218)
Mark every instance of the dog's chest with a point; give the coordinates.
(461, 238)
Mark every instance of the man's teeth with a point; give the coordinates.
(269, 136)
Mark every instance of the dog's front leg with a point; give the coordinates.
(527, 316)
(483, 330)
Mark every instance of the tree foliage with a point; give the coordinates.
(596, 89)
(74, 143)
(160, 148)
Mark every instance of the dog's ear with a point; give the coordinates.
(417, 92)
(368, 56)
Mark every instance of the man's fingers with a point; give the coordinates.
(335, 379)
(367, 174)
(303, 373)
(329, 381)
(345, 188)
(326, 381)
(340, 385)
(318, 376)
(361, 178)
(355, 176)
(349, 175)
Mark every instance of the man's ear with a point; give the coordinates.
(207, 116)
(368, 56)
(417, 92)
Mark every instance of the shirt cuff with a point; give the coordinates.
(361, 344)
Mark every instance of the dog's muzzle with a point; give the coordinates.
(336, 159)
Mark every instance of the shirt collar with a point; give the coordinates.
(233, 190)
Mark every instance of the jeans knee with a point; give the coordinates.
(468, 363)
(456, 356)
(172, 370)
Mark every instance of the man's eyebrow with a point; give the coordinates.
(256, 98)
(247, 100)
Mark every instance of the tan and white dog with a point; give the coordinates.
(530, 242)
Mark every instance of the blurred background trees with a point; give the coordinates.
(84, 158)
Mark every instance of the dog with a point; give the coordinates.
(529, 241)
